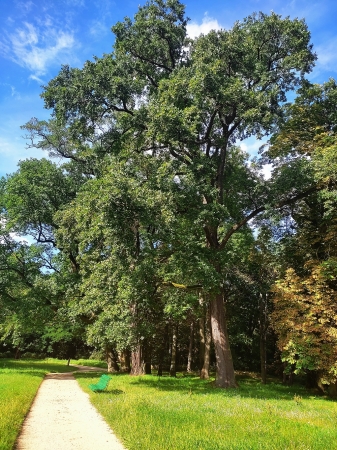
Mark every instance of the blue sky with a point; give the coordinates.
(37, 36)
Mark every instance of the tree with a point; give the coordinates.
(184, 104)
(305, 296)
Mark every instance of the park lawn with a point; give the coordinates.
(19, 382)
(186, 413)
(90, 362)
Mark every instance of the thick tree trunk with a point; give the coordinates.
(111, 358)
(173, 368)
(225, 376)
(137, 361)
(190, 348)
(124, 358)
(263, 336)
(204, 373)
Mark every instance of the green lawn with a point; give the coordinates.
(90, 362)
(186, 413)
(19, 382)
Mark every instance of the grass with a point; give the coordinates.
(186, 413)
(90, 362)
(19, 382)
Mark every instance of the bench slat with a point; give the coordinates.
(101, 384)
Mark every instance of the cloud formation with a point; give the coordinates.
(327, 57)
(37, 48)
(208, 23)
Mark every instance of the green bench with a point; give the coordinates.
(101, 384)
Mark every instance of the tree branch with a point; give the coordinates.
(257, 211)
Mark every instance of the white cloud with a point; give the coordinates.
(327, 57)
(251, 146)
(194, 29)
(98, 28)
(266, 171)
(37, 49)
(35, 78)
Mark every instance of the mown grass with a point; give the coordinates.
(19, 382)
(190, 414)
(90, 362)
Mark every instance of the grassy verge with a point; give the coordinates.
(189, 414)
(19, 382)
(90, 362)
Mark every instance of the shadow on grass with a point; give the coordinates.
(30, 373)
(31, 365)
(249, 387)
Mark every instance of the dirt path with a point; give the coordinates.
(62, 417)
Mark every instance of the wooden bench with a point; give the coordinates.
(101, 384)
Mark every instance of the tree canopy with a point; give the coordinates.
(154, 206)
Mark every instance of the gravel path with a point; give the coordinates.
(62, 417)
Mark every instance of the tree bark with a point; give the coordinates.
(147, 358)
(124, 358)
(111, 358)
(137, 362)
(162, 348)
(225, 375)
(173, 368)
(190, 348)
(263, 336)
(202, 342)
(204, 373)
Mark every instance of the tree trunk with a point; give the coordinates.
(173, 369)
(202, 342)
(225, 376)
(124, 358)
(332, 390)
(17, 353)
(263, 336)
(147, 358)
(111, 358)
(137, 362)
(162, 348)
(204, 373)
(190, 348)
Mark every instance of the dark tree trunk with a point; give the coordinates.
(225, 376)
(173, 368)
(111, 358)
(124, 358)
(137, 361)
(332, 390)
(17, 353)
(147, 358)
(161, 351)
(204, 373)
(190, 348)
(263, 336)
(202, 342)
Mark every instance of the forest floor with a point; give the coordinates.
(62, 417)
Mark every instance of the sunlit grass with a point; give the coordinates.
(186, 413)
(90, 362)
(19, 382)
